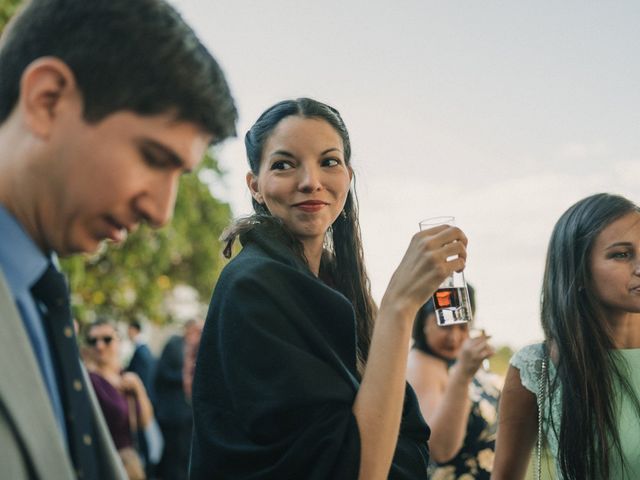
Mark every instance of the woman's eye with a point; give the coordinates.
(280, 165)
(330, 162)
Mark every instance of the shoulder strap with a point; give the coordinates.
(542, 393)
(133, 419)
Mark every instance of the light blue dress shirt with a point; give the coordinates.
(23, 264)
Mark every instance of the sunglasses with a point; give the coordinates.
(93, 341)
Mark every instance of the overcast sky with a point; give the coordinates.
(502, 114)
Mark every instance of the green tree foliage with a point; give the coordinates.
(500, 361)
(134, 279)
(7, 9)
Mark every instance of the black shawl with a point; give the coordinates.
(276, 377)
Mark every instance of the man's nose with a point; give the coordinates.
(156, 206)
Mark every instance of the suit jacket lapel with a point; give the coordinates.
(24, 395)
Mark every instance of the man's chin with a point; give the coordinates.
(97, 244)
(86, 246)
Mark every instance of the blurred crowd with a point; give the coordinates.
(146, 401)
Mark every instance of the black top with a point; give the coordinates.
(143, 363)
(276, 377)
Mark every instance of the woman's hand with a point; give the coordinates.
(425, 266)
(130, 383)
(472, 353)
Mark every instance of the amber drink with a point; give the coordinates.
(451, 300)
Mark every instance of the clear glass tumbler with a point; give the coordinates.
(451, 300)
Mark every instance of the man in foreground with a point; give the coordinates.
(103, 105)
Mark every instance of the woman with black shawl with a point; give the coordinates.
(294, 379)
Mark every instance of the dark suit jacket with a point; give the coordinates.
(143, 363)
(31, 446)
(276, 377)
(171, 406)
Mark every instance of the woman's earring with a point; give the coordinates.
(343, 214)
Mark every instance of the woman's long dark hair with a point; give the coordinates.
(575, 329)
(343, 260)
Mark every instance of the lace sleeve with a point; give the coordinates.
(528, 361)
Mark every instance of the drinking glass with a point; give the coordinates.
(451, 300)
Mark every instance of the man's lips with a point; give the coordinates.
(117, 232)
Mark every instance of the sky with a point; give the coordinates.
(502, 114)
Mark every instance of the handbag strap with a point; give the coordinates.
(133, 420)
(542, 393)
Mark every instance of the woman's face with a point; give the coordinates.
(445, 341)
(304, 179)
(615, 266)
(104, 344)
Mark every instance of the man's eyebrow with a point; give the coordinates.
(166, 152)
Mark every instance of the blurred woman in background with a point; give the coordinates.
(122, 396)
(458, 398)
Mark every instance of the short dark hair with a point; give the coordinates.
(135, 324)
(137, 55)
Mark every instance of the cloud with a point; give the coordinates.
(580, 151)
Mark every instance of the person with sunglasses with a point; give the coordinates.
(119, 394)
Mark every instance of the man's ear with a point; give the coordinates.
(252, 183)
(46, 84)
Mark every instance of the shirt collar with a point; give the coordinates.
(20, 258)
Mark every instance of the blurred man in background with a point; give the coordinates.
(174, 378)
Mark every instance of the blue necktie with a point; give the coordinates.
(51, 290)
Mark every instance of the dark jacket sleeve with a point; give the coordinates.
(275, 379)
(143, 364)
(170, 405)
